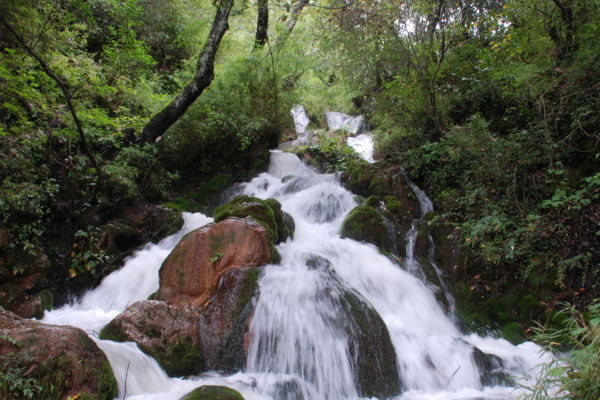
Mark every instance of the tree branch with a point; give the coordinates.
(166, 117)
(63, 86)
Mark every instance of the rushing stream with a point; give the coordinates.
(296, 336)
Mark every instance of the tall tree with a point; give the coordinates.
(262, 24)
(166, 117)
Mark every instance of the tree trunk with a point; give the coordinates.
(204, 76)
(65, 90)
(290, 26)
(262, 24)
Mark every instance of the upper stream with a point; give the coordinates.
(296, 332)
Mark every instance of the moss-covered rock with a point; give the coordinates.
(224, 321)
(213, 393)
(393, 205)
(169, 334)
(490, 368)
(371, 347)
(172, 223)
(365, 224)
(63, 358)
(267, 212)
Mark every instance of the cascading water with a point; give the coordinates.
(337, 120)
(297, 336)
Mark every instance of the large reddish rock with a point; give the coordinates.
(167, 333)
(191, 273)
(53, 361)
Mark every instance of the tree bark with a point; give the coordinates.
(203, 78)
(290, 26)
(262, 24)
(64, 88)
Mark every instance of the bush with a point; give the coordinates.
(575, 374)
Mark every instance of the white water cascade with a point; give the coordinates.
(296, 334)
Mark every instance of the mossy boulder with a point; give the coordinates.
(365, 224)
(371, 348)
(192, 272)
(169, 334)
(62, 357)
(491, 369)
(266, 212)
(372, 352)
(224, 321)
(172, 223)
(421, 240)
(393, 205)
(213, 393)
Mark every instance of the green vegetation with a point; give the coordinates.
(575, 374)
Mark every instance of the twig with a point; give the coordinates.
(448, 383)
(127, 372)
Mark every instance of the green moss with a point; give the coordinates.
(372, 201)
(214, 393)
(365, 224)
(268, 213)
(245, 206)
(512, 333)
(431, 215)
(181, 360)
(113, 331)
(246, 290)
(108, 387)
(392, 205)
(152, 296)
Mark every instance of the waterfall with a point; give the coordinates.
(297, 335)
(301, 120)
(337, 120)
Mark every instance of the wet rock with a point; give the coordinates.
(365, 224)
(266, 212)
(172, 223)
(191, 273)
(213, 393)
(22, 272)
(434, 281)
(447, 243)
(422, 240)
(371, 348)
(490, 369)
(37, 305)
(225, 320)
(117, 237)
(382, 180)
(47, 356)
(169, 334)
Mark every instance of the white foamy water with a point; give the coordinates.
(337, 120)
(301, 119)
(363, 145)
(297, 336)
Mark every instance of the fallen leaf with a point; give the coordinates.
(477, 276)
(488, 288)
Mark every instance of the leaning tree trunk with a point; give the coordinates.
(290, 26)
(204, 76)
(262, 24)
